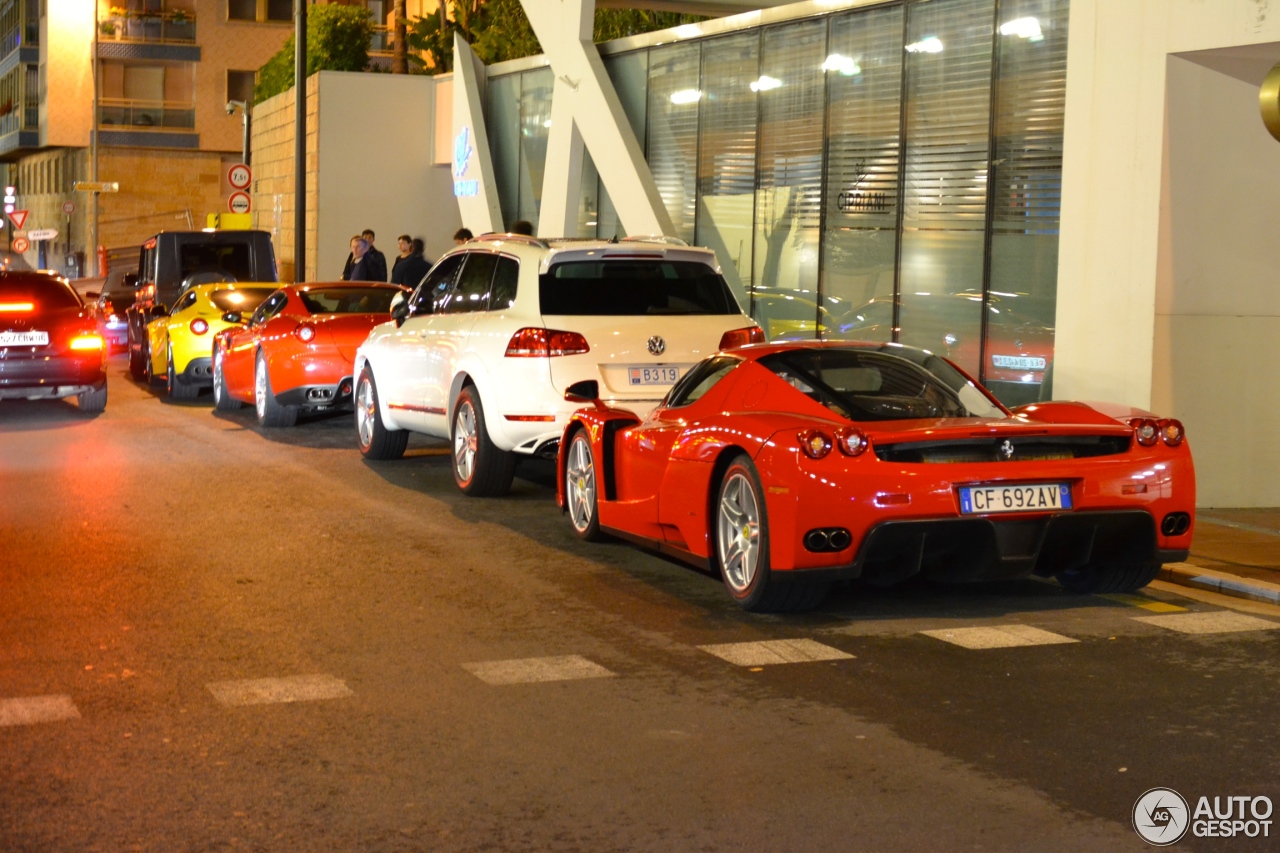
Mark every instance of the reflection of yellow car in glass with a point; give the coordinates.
(792, 315)
(180, 344)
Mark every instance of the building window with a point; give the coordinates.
(280, 11)
(240, 85)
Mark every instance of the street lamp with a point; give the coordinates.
(246, 108)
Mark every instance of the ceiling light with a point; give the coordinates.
(846, 65)
(1027, 28)
(931, 44)
(765, 83)
(686, 96)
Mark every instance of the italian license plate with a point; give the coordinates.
(1018, 362)
(652, 375)
(1033, 497)
(24, 339)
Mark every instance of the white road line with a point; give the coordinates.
(30, 710)
(1217, 622)
(770, 652)
(268, 691)
(998, 637)
(534, 670)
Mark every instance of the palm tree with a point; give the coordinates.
(399, 57)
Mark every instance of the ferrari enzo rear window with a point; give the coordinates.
(43, 293)
(885, 384)
(632, 287)
(349, 300)
(242, 299)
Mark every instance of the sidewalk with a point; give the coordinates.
(1234, 552)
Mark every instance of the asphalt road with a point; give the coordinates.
(157, 557)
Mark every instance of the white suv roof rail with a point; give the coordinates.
(654, 238)
(495, 236)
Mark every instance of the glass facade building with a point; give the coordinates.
(887, 172)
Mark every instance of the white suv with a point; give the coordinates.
(483, 350)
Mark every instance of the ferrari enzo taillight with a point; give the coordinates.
(815, 443)
(533, 342)
(199, 326)
(17, 307)
(86, 343)
(305, 333)
(1172, 432)
(1145, 430)
(852, 442)
(742, 337)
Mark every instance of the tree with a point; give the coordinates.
(399, 58)
(337, 40)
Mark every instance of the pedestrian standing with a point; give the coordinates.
(362, 267)
(461, 236)
(412, 269)
(521, 226)
(405, 244)
(377, 259)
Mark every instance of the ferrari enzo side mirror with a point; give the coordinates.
(158, 311)
(586, 391)
(399, 312)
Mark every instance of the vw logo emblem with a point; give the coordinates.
(657, 346)
(1006, 449)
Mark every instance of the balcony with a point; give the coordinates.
(149, 22)
(123, 114)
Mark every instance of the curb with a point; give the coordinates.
(1186, 574)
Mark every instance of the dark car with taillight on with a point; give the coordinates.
(109, 311)
(49, 342)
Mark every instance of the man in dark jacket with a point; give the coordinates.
(412, 267)
(375, 269)
(362, 265)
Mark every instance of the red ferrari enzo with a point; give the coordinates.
(788, 466)
(295, 352)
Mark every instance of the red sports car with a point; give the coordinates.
(788, 466)
(295, 352)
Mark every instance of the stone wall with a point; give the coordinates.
(273, 176)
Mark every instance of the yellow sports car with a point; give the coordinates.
(181, 343)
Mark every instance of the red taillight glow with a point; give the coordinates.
(199, 326)
(543, 343)
(17, 307)
(1172, 432)
(852, 442)
(742, 337)
(1145, 430)
(86, 343)
(305, 333)
(815, 443)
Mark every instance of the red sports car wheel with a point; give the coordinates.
(581, 487)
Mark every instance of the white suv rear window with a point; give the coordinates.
(632, 287)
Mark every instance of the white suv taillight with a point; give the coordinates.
(533, 342)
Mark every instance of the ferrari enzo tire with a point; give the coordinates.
(270, 413)
(222, 401)
(740, 535)
(480, 468)
(93, 402)
(178, 390)
(1108, 577)
(375, 440)
(581, 488)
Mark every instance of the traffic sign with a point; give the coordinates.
(42, 234)
(240, 176)
(20, 244)
(68, 207)
(96, 187)
(239, 202)
(19, 217)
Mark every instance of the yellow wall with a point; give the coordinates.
(66, 111)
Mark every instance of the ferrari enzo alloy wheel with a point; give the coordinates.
(178, 390)
(480, 468)
(580, 488)
(742, 546)
(221, 399)
(376, 441)
(270, 413)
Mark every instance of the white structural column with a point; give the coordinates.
(585, 110)
(473, 179)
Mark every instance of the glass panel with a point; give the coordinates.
(535, 126)
(589, 198)
(1030, 100)
(789, 200)
(673, 131)
(864, 98)
(630, 76)
(279, 10)
(242, 10)
(503, 293)
(472, 290)
(948, 54)
(502, 122)
(727, 162)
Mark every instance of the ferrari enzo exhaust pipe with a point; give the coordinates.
(827, 539)
(1175, 524)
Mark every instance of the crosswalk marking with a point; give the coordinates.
(769, 652)
(534, 670)
(30, 710)
(269, 691)
(998, 637)
(1143, 602)
(1217, 622)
